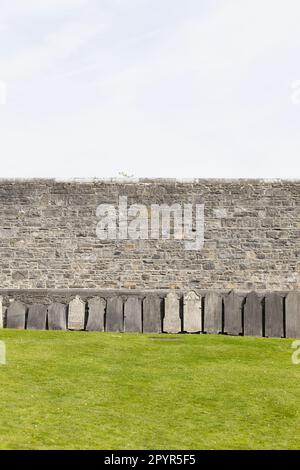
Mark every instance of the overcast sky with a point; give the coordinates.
(178, 88)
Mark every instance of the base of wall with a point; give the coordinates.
(270, 314)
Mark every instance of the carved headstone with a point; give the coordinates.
(1, 312)
(16, 313)
(2, 353)
(253, 315)
(76, 317)
(192, 318)
(114, 314)
(133, 315)
(274, 315)
(57, 316)
(292, 312)
(96, 308)
(233, 314)
(213, 313)
(4, 316)
(37, 317)
(152, 314)
(172, 321)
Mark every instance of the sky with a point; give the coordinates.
(150, 88)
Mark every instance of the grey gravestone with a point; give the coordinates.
(292, 312)
(274, 315)
(192, 321)
(172, 321)
(213, 313)
(233, 314)
(2, 353)
(152, 314)
(16, 313)
(114, 314)
(96, 307)
(1, 313)
(253, 319)
(37, 317)
(57, 316)
(76, 316)
(133, 315)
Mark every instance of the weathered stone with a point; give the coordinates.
(1, 313)
(192, 317)
(152, 314)
(57, 316)
(213, 313)
(172, 320)
(253, 315)
(2, 353)
(96, 309)
(241, 223)
(114, 314)
(133, 315)
(16, 314)
(37, 317)
(292, 315)
(274, 315)
(233, 314)
(76, 316)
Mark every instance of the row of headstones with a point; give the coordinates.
(270, 315)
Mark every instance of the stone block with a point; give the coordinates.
(192, 315)
(37, 317)
(76, 315)
(172, 320)
(133, 315)
(96, 312)
(152, 322)
(213, 313)
(274, 315)
(16, 315)
(233, 314)
(57, 316)
(114, 314)
(292, 315)
(253, 315)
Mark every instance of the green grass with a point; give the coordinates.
(77, 390)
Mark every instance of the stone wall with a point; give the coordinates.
(48, 236)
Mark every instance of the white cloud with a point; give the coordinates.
(39, 6)
(55, 47)
(3, 92)
(117, 85)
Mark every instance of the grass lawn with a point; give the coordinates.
(78, 390)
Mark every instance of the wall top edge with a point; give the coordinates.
(150, 180)
(107, 291)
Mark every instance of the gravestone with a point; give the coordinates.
(96, 308)
(16, 314)
(253, 315)
(37, 317)
(274, 315)
(233, 314)
(1, 312)
(172, 321)
(213, 313)
(152, 314)
(114, 314)
(292, 315)
(76, 316)
(192, 318)
(57, 316)
(2, 353)
(133, 315)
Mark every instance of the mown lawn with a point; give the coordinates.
(78, 390)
